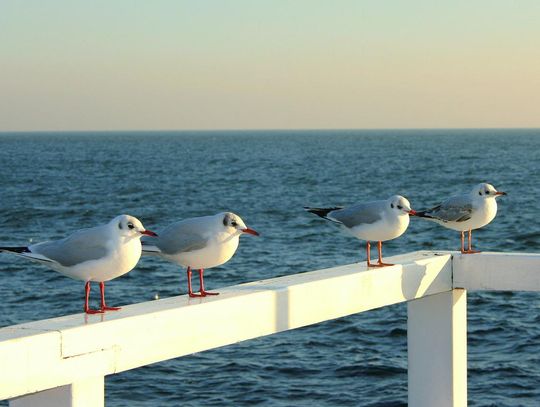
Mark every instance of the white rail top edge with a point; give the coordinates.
(497, 271)
(44, 354)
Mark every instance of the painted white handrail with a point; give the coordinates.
(62, 361)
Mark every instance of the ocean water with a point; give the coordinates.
(52, 184)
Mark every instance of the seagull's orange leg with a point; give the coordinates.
(190, 289)
(368, 253)
(202, 292)
(380, 263)
(470, 243)
(201, 282)
(86, 298)
(103, 305)
(469, 249)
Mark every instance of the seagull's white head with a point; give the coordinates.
(486, 191)
(233, 224)
(130, 227)
(400, 205)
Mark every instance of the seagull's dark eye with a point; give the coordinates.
(392, 205)
(130, 225)
(400, 207)
(487, 192)
(234, 224)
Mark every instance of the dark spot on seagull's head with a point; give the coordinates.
(130, 226)
(235, 225)
(230, 220)
(400, 204)
(486, 190)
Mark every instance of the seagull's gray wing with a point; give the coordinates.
(457, 208)
(84, 245)
(179, 237)
(359, 214)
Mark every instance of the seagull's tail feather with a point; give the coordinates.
(323, 212)
(25, 252)
(150, 249)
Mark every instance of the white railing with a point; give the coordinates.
(62, 361)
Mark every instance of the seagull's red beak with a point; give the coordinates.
(250, 231)
(412, 212)
(148, 233)
(500, 193)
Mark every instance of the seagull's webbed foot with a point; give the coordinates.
(202, 294)
(205, 293)
(106, 308)
(470, 251)
(381, 264)
(94, 311)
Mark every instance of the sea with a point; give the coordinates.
(52, 184)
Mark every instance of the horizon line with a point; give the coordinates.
(265, 130)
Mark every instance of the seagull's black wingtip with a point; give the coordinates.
(322, 212)
(21, 249)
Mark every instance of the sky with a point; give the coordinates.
(256, 64)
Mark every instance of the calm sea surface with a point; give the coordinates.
(52, 184)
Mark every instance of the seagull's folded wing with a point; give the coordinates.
(455, 209)
(181, 237)
(84, 245)
(359, 214)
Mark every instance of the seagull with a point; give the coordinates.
(466, 212)
(371, 221)
(199, 243)
(97, 254)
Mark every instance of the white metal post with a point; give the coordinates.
(437, 350)
(84, 393)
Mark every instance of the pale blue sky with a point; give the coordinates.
(137, 65)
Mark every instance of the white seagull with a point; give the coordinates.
(466, 212)
(97, 254)
(371, 221)
(199, 243)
